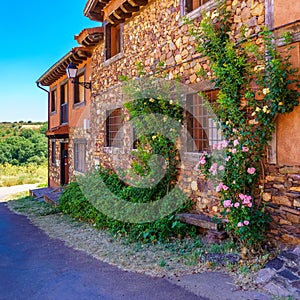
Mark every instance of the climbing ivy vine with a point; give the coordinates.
(256, 83)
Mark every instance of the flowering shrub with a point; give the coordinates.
(234, 175)
(255, 83)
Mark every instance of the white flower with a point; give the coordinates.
(259, 68)
(266, 91)
(214, 14)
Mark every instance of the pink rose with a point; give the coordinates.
(236, 204)
(225, 187)
(202, 160)
(224, 144)
(235, 142)
(221, 186)
(245, 149)
(251, 170)
(246, 199)
(227, 158)
(213, 168)
(246, 222)
(227, 203)
(233, 150)
(240, 224)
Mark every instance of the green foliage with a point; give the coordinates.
(26, 174)
(20, 146)
(74, 202)
(255, 85)
(157, 115)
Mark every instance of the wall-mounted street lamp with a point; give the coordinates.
(72, 74)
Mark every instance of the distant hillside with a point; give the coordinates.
(8, 129)
(23, 142)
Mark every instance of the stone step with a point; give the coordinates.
(49, 195)
(52, 198)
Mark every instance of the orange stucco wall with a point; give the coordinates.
(288, 127)
(74, 112)
(286, 11)
(75, 118)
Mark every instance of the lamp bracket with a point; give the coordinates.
(86, 85)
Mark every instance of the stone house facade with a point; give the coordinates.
(151, 32)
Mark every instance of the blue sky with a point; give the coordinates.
(33, 36)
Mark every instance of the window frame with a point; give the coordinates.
(209, 134)
(110, 55)
(79, 149)
(53, 152)
(53, 100)
(64, 101)
(197, 12)
(78, 89)
(114, 138)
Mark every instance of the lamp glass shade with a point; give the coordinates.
(71, 70)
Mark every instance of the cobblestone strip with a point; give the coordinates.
(281, 276)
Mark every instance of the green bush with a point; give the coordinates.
(74, 203)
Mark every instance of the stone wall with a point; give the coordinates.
(282, 193)
(157, 34)
(54, 168)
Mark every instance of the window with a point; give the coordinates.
(53, 152)
(191, 5)
(79, 155)
(114, 123)
(195, 7)
(113, 40)
(135, 140)
(64, 103)
(53, 100)
(79, 90)
(202, 127)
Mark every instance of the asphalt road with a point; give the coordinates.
(35, 267)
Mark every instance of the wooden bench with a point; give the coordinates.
(214, 232)
(199, 220)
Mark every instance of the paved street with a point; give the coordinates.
(33, 266)
(6, 191)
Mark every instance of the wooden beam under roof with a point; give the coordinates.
(138, 2)
(122, 9)
(112, 10)
(115, 21)
(127, 7)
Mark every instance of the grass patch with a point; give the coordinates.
(29, 206)
(28, 174)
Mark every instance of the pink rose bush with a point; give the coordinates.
(231, 168)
